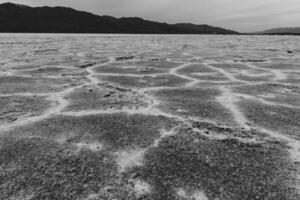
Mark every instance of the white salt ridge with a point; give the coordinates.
(141, 188)
(132, 75)
(174, 71)
(164, 134)
(253, 75)
(131, 158)
(195, 195)
(149, 89)
(130, 111)
(228, 99)
(294, 145)
(228, 75)
(220, 136)
(93, 146)
(278, 74)
(91, 73)
(267, 95)
(25, 94)
(263, 101)
(135, 157)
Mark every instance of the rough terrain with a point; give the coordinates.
(92, 117)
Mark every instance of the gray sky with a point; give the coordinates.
(240, 15)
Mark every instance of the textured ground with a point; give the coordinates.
(149, 117)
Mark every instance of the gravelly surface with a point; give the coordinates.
(93, 117)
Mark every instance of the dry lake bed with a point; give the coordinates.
(126, 117)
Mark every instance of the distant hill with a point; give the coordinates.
(282, 31)
(205, 29)
(25, 19)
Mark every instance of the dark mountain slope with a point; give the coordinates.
(19, 18)
(282, 31)
(204, 29)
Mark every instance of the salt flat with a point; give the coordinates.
(93, 117)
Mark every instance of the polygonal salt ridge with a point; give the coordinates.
(214, 132)
(135, 157)
(251, 60)
(125, 58)
(92, 146)
(92, 64)
(114, 86)
(164, 134)
(124, 90)
(154, 59)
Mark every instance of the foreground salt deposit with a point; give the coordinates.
(153, 117)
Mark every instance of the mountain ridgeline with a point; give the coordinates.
(282, 31)
(16, 18)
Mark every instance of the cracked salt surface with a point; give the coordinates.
(227, 99)
(205, 47)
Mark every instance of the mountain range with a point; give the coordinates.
(24, 19)
(282, 31)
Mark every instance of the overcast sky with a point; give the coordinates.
(240, 15)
